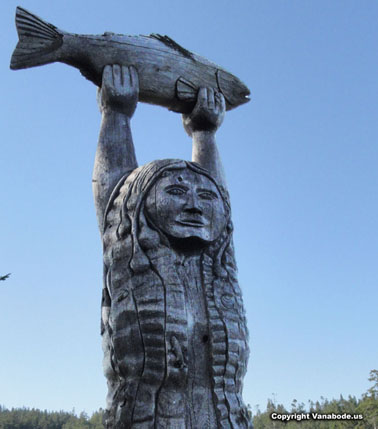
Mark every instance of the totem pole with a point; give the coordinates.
(174, 332)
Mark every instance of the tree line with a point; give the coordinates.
(363, 412)
(323, 414)
(25, 418)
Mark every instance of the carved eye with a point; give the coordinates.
(207, 195)
(176, 191)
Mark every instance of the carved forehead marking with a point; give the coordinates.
(188, 177)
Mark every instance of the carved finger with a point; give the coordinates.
(134, 78)
(125, 78)
(210, 98)
(124, 75)
(117, 75)
(220, 101)
(107, 75)
(99, 97)
(202, 97)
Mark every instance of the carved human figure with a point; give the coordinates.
(174, 332)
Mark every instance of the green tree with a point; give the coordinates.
(368, 406)
(97, 419)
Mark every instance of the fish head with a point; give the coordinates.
(233, 89)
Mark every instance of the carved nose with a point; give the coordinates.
(192, 205)
(193, 210)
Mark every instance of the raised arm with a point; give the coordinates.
(202, 124)
(115, 154)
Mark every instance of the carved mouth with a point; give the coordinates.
(191, 222)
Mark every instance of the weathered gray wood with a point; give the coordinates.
(169, 75)
(174, 331)
(174, 328)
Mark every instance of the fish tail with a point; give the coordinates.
(38, 41)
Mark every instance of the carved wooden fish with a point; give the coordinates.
(169, 75)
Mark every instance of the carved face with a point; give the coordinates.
(185, 204)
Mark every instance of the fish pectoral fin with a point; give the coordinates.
(37, 41)
(186, 90)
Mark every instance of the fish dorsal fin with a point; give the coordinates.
(186, 90)
(172, 44)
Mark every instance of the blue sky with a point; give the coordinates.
(301, 163)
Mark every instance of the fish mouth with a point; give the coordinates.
(191, 222)
(246, 96)
(233, 89)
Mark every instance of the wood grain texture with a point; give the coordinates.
(169, 74)
(173, 324)
(175, 335)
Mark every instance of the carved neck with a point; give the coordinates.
(187, 247)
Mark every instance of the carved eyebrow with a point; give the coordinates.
(176, 185)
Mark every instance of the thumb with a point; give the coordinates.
(99, 98)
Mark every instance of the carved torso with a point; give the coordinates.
(175, 340)
(200, 411)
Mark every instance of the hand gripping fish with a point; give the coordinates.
(169, 75)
